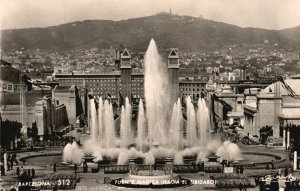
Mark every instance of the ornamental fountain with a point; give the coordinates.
(161, 127)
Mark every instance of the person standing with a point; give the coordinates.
(55, 188)
(240, 186)
(54, 167)
(286, 171)
(194, 166)
(18, 171)
(85, 167)
(199, 167)
(241, 169)
(238, 170)
(256, 180)
(28, 172)
(33, 173)
(2, 169)
(75, 168)
(9, 167)
(14, 158)
(11, 163)
(273, 164)
(267, 167)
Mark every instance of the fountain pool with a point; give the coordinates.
(162, 132)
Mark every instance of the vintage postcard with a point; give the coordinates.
(150, 94)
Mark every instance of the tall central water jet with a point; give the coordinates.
(156, 95)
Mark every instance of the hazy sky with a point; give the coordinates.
(271, 14)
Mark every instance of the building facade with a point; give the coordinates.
(126, 83)
(69, 96)
(274, 106)
(35, 104)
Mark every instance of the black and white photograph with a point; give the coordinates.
(100, 95)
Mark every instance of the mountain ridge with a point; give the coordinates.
(184, 32)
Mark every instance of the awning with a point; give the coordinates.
(286, 116)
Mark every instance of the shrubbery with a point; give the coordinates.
(9, 131)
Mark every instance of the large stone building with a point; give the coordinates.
(274, 106)
(229, 106)
(11, 84)
(72, 98)
(51, 109)
(128, 82)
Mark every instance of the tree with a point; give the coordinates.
(9, 131)
(33, 131)
(265, 132)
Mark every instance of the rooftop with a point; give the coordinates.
(280, 89)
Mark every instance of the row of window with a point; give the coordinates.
(137, 93)
(191, 85)
(189, 94)
(110, 85)
(189, 89)
(134, 89)
(97, 91)
(113, 82)
(104, 89)
(59, 77)
(10, 87)
(137, 96)
(89, 84)
(99, 80)
(113, 87)
(81, 80)
(137, 80)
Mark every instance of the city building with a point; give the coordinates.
(11, 84)
(229, 106)
(50, 109)
(124, 83)
(278, 107)
(74, 100)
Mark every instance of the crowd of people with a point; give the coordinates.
(10, 161)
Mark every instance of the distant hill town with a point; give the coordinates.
(169, 30)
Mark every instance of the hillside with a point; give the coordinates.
(184, 32)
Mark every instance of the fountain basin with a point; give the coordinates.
(89, 159)
(148, 173)
(149, 177)
(213, 167)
